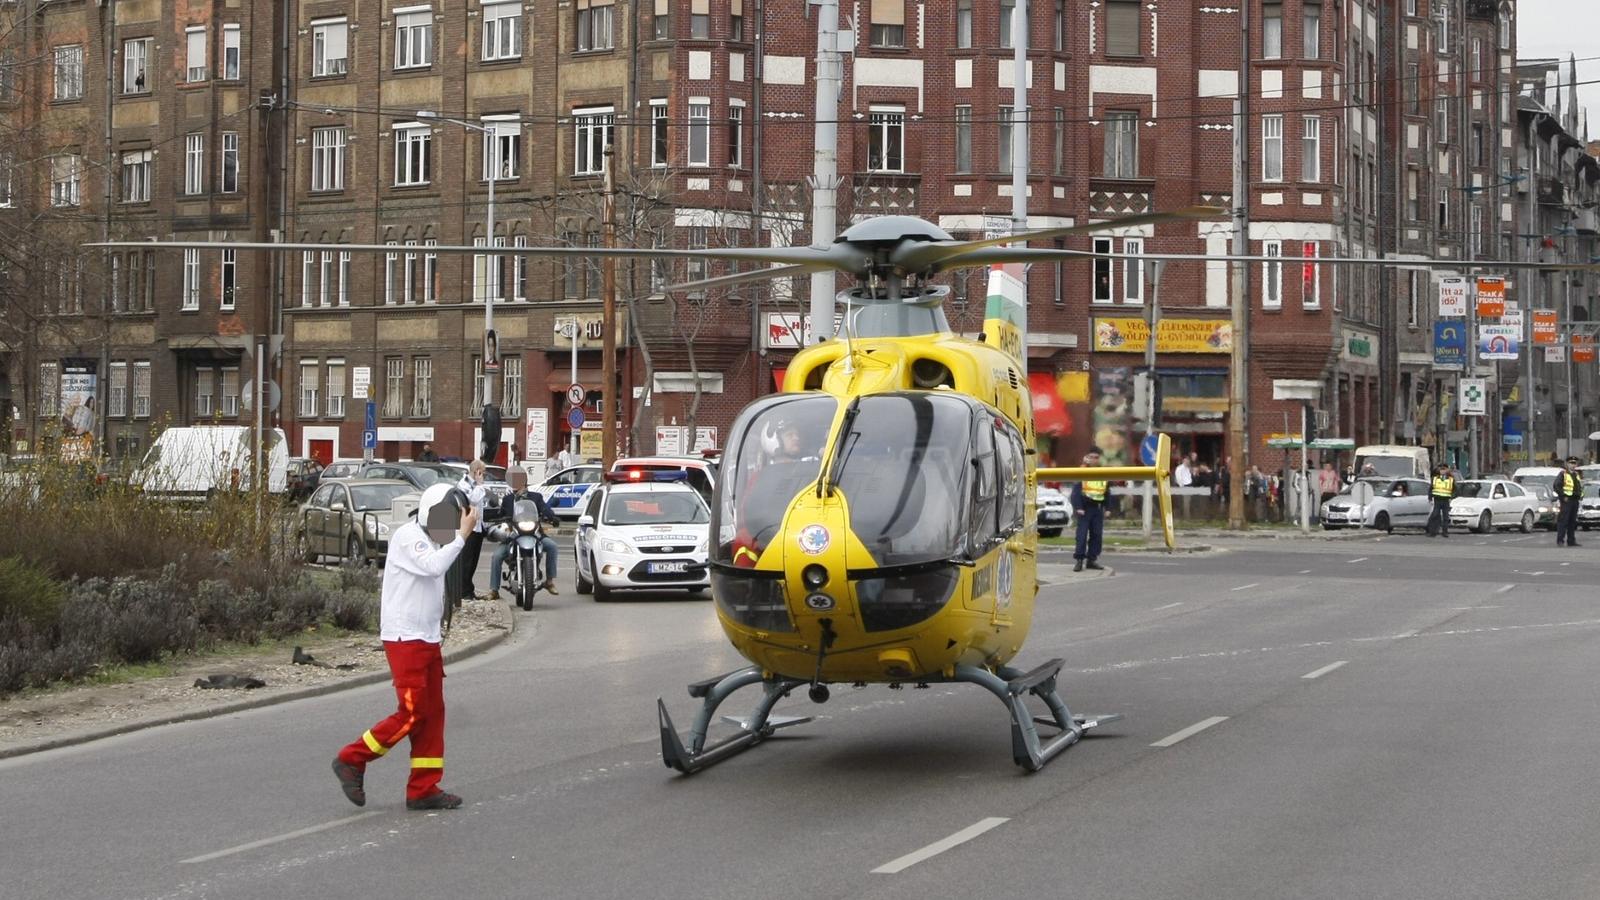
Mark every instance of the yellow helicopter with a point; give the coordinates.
(874, 521)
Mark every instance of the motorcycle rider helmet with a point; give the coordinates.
(440, 512)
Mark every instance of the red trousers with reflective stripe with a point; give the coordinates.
(418, 671)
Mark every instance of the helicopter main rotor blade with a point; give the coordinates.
(744, 277)
(995, 255)
(937, 256)
(840, 257)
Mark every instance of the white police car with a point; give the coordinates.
(642, 534)
(568, 490)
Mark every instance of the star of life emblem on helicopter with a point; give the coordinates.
(814, 539)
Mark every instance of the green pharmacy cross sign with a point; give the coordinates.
(1472, 394)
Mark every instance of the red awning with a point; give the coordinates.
(1049, 410)
(777, 377)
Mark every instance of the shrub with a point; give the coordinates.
(131, 620)
(353, 610)
(229, 613)
(366, 579)
(28, 594)
(296, 605)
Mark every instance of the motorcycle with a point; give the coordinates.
(522, 570)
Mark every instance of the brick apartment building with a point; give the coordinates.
(1362, 118)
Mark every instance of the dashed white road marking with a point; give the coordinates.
(1190, 732)
(1246, 587)
(1304, 572)
(1359, 559)
(1324, 670)
(940, 846)
(278, 839)
(1168, 606)
(1520, 572)
(1504, 587)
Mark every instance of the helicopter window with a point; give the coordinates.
(774, 451)
(982, 520)
(1012, 473)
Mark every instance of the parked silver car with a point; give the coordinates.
(1381, 503)
(352, 519)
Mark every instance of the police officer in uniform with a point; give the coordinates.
(1569, 488)
(1443, 491)
(1089, 503)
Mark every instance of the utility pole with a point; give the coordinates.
(1152, 319)
(1238, 366)
(608, 353)
(825, 163)
(1019, 126)
(1530, 281)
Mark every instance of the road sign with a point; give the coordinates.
(1147, 449)
(372, 416)
(1473, 397)
(575, 417)
(247, 395)
(369, 439)
(1498, 341)
(1450, 345)
(575, 394)
(360, 382)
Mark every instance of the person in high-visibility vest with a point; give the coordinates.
(1569, 488)
(1089, 503)
(1442, 492)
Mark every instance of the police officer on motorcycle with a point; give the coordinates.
(519, 491)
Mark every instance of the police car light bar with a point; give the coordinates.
(642, 475)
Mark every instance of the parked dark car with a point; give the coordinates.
(304, 475)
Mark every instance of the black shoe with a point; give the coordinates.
(1573, 544)
(350, 781)
(1077, 566)
(1094, 565)
(439, 800)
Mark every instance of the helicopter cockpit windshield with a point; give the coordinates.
(773, 452)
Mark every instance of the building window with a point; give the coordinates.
(476, 404)
(1477, 144)
(413, 152)
(1311, 276)
(325, 285)
(136, 65)
(502, 147)
(519, 270)
(191, 280)
(422, 387)
(1008, 23)
(1121, 158)
(194, 163)
(309, 408)
(195, 39)
(1005, 132)
(1122, 28)
(1311, 149)
(699, 132)
(1059, 26)
(963, 23)
(1411, 7)
(205, 388)
(116, 282)
(502, 30)
(487, 272)
(308, 274)
(1102, 272)
(1413, 196)
(413, 38)
(511, 370)
(735, 133)
(330, 47)
(141, 388)
(49, 389)
(660, 136)
(1414, 300)
(394, 387)
(1272, 30)
(65, 179)
(1413, 88)
(963, 139)
(136, 176)
(735, 20)
(430, 271)
(1444, 209)
(660, 268)
(1311, 23)
(595, 24)
(230, 279)
(344, 278)
(661, 22)
(695, 238)
(69, 72)
(1272, 148)
(1476, 234)
(1441, 116)
(230, 392)
(592, 135)
(1444, 28)
(700, 19)
(889, 23)
(231, 41)
(117, 394)
(149, 281)
(1133, 272)
(327, 159)
(230, 162)
(335, 389)
(1058, 146)
(1272, 276)
(886, 139)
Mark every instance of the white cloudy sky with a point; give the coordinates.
(1562, 28)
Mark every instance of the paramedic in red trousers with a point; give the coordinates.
(1089, 503)
(420, 553)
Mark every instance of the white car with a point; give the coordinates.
(1052, 512)
(1488, 503)
(643, 535)
(1589, 506)
(567, 491)
(1381, 503)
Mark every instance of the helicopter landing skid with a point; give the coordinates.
(753, 729)
(1028, 749)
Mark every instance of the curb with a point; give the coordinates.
(320, 690)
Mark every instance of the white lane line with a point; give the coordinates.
(1190, 732)
(1304, 572)
(1324, 670)
(278, 839)
(1504, 587)
(1566, 564)
(1359, 559)
(1246, 587)
(938, 847)
(1517, 539)
(1168, 606)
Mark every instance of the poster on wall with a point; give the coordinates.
(1113, 415)
(1453, 297)
(79, 418)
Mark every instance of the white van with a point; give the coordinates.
(1393, 461)
(1541, 476)
(193, 462)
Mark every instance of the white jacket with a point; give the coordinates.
(413, 585)
(477, 494)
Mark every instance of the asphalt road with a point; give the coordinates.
(1380, 718)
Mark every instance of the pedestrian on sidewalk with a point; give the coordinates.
(1089, 503)
(420, 553)
(1327, 482)
(1569, 488)
(466, 569)
(1443, 491)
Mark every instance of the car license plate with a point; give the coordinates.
(1053, 517)
(667, 568)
